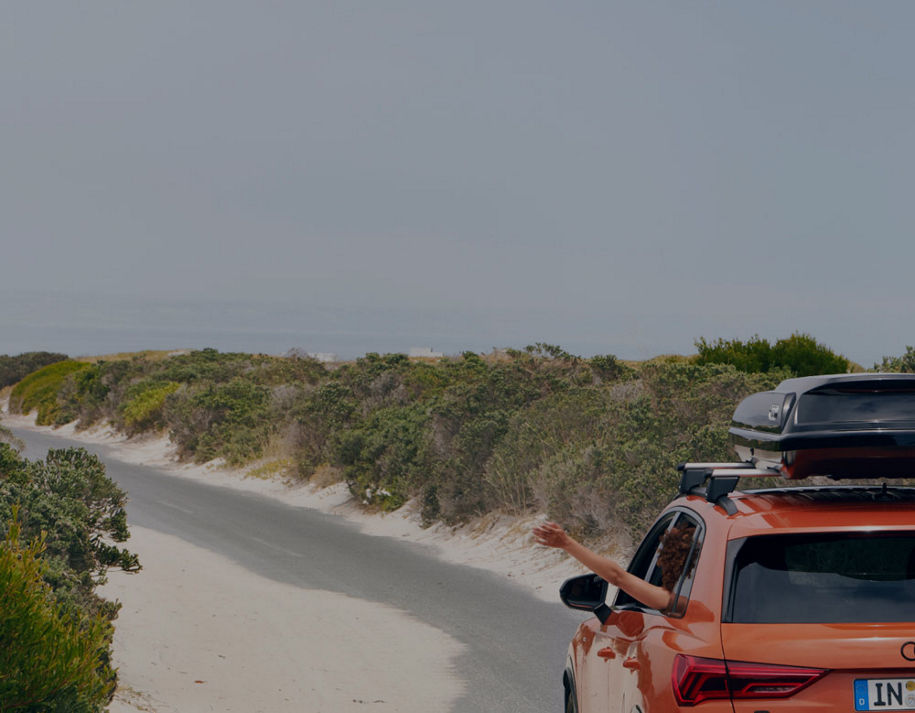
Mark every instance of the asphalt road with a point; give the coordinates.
(515, 643)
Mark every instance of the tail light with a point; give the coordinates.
(698, 679)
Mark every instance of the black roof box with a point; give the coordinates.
(843, 426)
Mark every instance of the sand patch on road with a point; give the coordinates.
(198, 633)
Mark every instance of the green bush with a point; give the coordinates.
(41, 390)
(799, 355)
(803, 355)
(228, 420)
(607, 366)
(68, 497)
(55, 629)
(902, 364)
(468, 418)
(143, 409)
(206, 365)
(380, 456)
(319, 417)
(87, 394)
(752, 356)
(51, 660)
(548, 428)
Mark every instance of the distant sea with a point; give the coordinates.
(93, 324)
(81, 324)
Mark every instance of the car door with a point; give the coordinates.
(594, 653)
(642, 666)
(626, 622)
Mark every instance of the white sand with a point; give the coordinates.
(198, 633)
(192, 615)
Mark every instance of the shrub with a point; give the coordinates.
(220, 420)
(379, 457)
(51, 660)
(546, 429)
(55, 629)
(607, 366)
(754, 355)
(799, 354)
(806, 357)
(143, 409)
(902, 364)
(319, 418)
(87, 394)
(40, 390)
(69, 497)
(273, 371)
(468, 418)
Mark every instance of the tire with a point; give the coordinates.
(571, 702)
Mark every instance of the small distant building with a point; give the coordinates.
(324, 357)
(424, 353)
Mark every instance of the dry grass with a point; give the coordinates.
(271, 469)
(325, 476)
(149, 354)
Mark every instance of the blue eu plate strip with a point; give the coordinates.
(862, 702)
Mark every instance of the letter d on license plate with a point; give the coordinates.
(885, 694)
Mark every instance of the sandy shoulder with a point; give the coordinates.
(198, 633)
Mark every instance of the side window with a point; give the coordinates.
(682, 543)
(667, 558)
(645, 557)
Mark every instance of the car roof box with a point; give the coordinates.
(842, 426)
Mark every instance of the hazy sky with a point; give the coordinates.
(354, 176)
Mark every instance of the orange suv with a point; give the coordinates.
(793, 599)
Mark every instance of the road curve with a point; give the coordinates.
(515, 643)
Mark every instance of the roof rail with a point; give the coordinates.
(722, 478)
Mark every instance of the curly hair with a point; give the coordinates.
(675, 547)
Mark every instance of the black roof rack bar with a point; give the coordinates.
(719, 488)
(722, 478)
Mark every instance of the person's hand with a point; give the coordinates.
(551, 535)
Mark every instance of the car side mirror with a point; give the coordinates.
(587, 592)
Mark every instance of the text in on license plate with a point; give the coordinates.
(885, 694)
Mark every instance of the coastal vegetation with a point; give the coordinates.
(593, 442)
(42, 391)
(64, 521)
(801, 354)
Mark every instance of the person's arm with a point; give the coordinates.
(552, 535)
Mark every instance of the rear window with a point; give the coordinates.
(823, 578)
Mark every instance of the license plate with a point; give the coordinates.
(885, 694)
